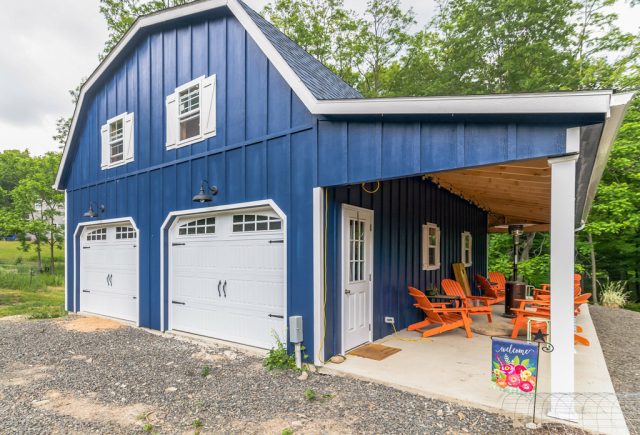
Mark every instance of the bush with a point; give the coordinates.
(18, 279)
(635, 306)
(614, 294)
(278, 357)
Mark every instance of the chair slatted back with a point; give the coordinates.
(453, 288)
(422, 301)
(499, 279)
(485, 286)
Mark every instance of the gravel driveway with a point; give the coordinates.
(619, 334)
(54, 380)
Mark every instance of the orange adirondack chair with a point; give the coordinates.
(453, 288)
(436, 314)
(500, 282)
(546, 288)
(542, 308)
(488, 290)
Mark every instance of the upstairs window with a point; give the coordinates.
(430, 247)
(191, 112)
(117, 141)
(467, 252)
(244, 223)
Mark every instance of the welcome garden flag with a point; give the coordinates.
(514, 365)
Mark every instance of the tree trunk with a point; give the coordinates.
(594, 281)
(526, 247)
(52, 244)
(39, 251)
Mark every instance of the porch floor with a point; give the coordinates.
(452, 367)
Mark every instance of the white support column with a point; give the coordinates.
(563, 183)
(318, 275)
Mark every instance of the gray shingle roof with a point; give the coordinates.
(321, 81)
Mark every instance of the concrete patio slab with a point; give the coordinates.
(452, 367)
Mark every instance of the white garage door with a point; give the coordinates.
(109, 271)
(227, 277)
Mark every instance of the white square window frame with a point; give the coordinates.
(121, 117)
(466, 235)
(425, 247)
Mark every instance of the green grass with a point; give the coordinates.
(18, 269)
(36, 304)
(633, 306)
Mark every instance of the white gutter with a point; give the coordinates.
(618, 107)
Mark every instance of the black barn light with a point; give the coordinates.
(203, 195)
(91, 213)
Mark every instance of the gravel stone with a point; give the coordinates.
(136, 377)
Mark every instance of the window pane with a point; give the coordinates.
(432, 256)
(250, 227)
(237, 218)
(190, 127)
(237, 228)
(249, 218)
(262, 226)
(275, 225)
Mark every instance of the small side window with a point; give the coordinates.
(198, 227)
(467, 251)
(430, 247)
(117, 141)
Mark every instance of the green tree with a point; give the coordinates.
(14, 165)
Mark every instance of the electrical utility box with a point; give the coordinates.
(295, 329)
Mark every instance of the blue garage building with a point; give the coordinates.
(219, 179)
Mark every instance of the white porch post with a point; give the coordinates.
(318, 275)
(563, 183)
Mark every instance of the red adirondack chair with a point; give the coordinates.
(453, 288)
(445, 319)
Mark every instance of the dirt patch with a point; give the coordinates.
(298, 425)
(14, 319)
(203, 355)
(91, 324)
(89, 410)
(23, 376)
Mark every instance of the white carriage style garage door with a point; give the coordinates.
(226, 276)
(109, 271)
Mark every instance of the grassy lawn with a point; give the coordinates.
(37, 304)
(23, 290)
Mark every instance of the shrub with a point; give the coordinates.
(310, 394)
(614, 294)
(278, 357)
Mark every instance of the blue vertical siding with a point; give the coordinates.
(400, 209)
(269, 146)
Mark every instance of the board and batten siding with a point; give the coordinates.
(400, 209)
(267, 146)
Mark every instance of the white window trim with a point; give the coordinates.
(465, 235)
(425, 245)
(121, 117)
(200, 137)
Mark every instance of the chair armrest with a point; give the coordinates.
(451, 310)
(481, 298)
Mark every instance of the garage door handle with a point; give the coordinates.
(178, 303)
(219, 294)
(278, 316)
(224, 288)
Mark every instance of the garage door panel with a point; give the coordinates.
(250, 268)
(109, 273)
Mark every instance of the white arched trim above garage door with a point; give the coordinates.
(243, 245)
(115, 245)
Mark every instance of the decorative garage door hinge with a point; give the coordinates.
(276, 241)
(86, 291)
(178, 303)
(277, 316)
(86, 247)
(178, 244)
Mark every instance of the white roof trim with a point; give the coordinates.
(561, 102)
(618, 107)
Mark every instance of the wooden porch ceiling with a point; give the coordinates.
(518, 192)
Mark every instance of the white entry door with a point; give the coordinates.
(109, 271)
(227, 277)
(357, 262)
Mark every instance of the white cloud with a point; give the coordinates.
(46, 47)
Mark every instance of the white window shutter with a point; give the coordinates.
(128, 137)
(106, 151)
(438, 246)
(172, 120)
(208, 98)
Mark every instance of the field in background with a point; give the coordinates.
(25, 291)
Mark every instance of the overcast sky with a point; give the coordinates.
(48, 46)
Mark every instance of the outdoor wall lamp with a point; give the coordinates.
(91, 213)
(204, 196)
